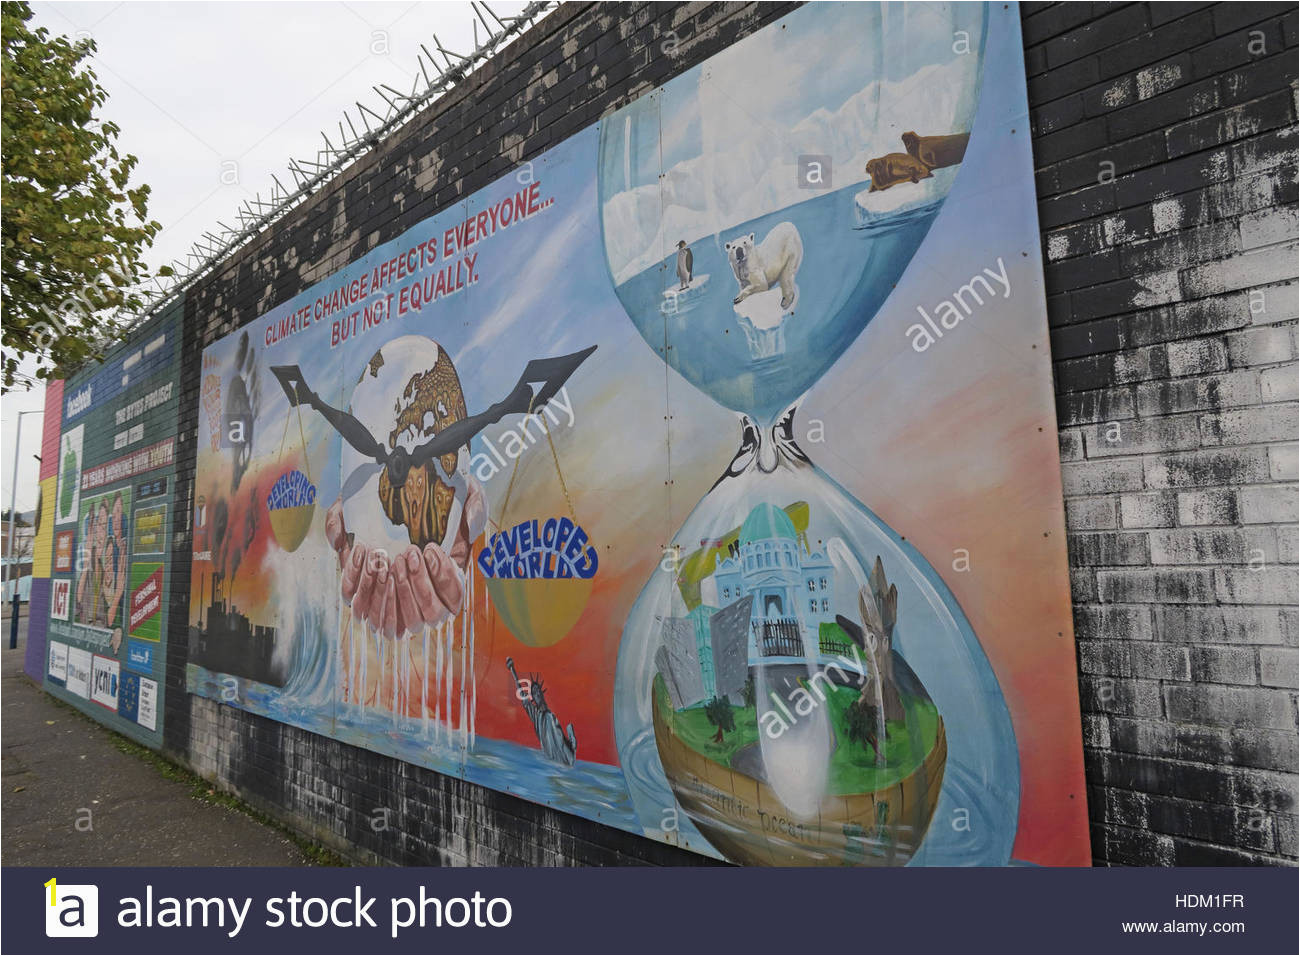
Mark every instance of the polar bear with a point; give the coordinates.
(774, 261)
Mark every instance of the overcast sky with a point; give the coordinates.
(215, 97)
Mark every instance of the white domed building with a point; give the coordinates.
(792, 587)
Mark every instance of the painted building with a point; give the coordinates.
(729, 636)
(678, 661)
(793, 588)
(705, 654)
(700, 619)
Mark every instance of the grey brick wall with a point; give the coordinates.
(1165, 157)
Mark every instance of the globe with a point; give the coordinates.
(407, 392)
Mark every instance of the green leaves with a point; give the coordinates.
(73, 230)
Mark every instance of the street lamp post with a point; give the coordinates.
(13, 521)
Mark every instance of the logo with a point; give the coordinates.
(71, 909)
(814, 171)
(58, 661)
(139, 656)
(60, 598)
(104, 676)
(79, 402)
(555, 548)
(128, 699)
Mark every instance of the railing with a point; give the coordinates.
(780, 637)
(834, 648)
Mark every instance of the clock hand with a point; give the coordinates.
(353, 432)
(357, 480)
(550, 373)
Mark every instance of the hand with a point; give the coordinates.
(117, 589)
(416, 587)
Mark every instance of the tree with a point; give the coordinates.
(862, 722)
(749, 692)
(718, 710)
(73, 228)
(18, 517)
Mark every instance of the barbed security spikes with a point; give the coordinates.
(309, 175)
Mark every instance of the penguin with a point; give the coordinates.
(685, 262)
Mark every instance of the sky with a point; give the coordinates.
(215, 97)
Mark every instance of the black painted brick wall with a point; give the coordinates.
(1165, 157)
(1171, 296)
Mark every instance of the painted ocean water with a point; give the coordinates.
(848, 270)
(592, 790)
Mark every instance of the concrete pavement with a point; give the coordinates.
(73, 797)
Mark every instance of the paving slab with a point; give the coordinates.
(71, 797)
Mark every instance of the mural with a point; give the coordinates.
(643, 484)
(44, 558)
(114, 426)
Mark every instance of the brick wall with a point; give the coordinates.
(1165, 150)
(1165, 156)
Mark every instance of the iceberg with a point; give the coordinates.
(869, 208)
(684, 300)
(742, 177)
(763, 321)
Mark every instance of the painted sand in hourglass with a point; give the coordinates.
(798, 686)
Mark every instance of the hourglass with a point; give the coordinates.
(800, 687)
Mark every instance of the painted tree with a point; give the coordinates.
(879, 702)
(74, 229)
(862, 724)
(720, 715)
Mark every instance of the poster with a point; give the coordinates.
(69, 493)
(145, 610)
(79, 672)
(150, 530)
(697, 477)
(61, 599)
(104, 674)
(117, 434)
(63, 553)
(58, 666)
(100, 579)
(147, 715)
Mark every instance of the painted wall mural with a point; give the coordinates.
(699, 477)
(109, 507)
(34, 655)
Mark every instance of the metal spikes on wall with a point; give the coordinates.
(360, 130)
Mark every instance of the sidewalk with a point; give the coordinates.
(58, 763)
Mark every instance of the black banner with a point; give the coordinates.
(238, 910)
